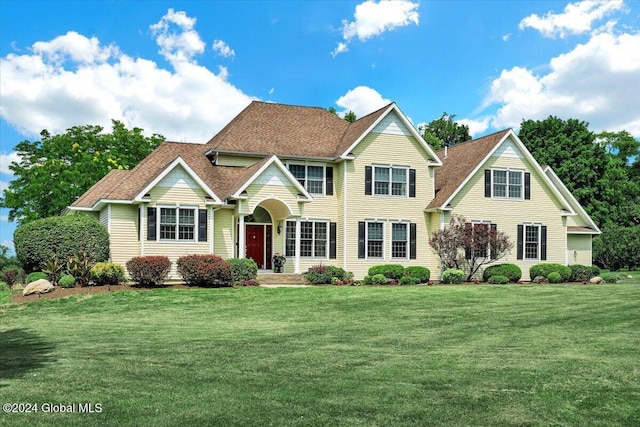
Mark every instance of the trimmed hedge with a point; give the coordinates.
(36, 275)
(420, 274)
(554, 277)
(325, 274)
(498, 280)
(204, 270)
(544, 269)
(243, 270)
(610, 277)
(409, 280)
(67, 281)
(390, 271)
(510, 271)
(36, 241)
(107, 273)
(148, 270)
(452, 275)
(376, 279)
(580, 272)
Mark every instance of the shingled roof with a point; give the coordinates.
(292, 131)
(460, 161)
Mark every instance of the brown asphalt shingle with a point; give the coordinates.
(460, 161)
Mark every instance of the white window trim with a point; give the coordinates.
(391, 168)
(508, 170)
(524, 241)
(306, 175)
(313, 240)
(177, 225)
(366, 238)
(408, 241)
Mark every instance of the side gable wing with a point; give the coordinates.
(284, 177)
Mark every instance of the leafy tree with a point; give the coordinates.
(444, 131)
(7, 260)
(56, 170)
(468, 247)
(617, 247)
(350, 116)
(593, 167)
(332, 110)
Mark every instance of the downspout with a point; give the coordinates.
(344, 216)
(143, 222)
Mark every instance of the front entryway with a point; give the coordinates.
(259, 244)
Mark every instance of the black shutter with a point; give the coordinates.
(520, 242)
(151, 223)
(487, 183)
(527, 186)
(328, 174)
(332, 240)
(412, 241)
(494, 230)
(139, 224)
(202, 225)
(361, 239)
(412, 183)
(468, 228)
(543, 242)
(367, 180)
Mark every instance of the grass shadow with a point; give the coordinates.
(22, 351)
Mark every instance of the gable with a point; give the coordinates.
(178, 178)
(392, 124)
(508, 150)
(273, 176)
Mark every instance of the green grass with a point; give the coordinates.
(452, 355)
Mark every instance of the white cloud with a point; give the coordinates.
(577, 18)
(6, 160)
(374, 18)
(223, 49)
(9, 245)
(185, 103)
(476, 127)
(362, 100)
(3, 186)
(593, 83)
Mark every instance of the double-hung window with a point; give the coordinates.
(311, 177)
(390, 180)
(531, 241)
(313, 239)
(375, 239)
(177, 223)
(507, 183)
(480, 231)
(399, 240)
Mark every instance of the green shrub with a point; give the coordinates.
(580, 272)
(421, 274)
(4, 287)
(452, 275)
(554, 277)
(204, 270)
(325, 274)
(610, 277)
(510, 271)
(107, 273)
(11, 275)
(617, 248)
(36, 275)
(64, 236)
(242, 269)
(498, 280)
(409, 280)
(148, 270)
(378, 279)
(79, 266)
(544, 269)
(390, 271)
(67, 281)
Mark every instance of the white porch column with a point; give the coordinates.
(143, 226)
(241, 237)
(297, 257)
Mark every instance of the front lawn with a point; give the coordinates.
(437, 355)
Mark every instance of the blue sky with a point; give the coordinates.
(185, 68)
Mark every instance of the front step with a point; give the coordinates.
(281, 279)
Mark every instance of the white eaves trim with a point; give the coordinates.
(563, 189)
(529, 157)
(408, 125)
(167, 170)
(292, 179)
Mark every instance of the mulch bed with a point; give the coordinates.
(59, 292)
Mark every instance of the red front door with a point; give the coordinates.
(255, 244)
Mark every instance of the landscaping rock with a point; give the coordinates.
(539, 279)
(40, 286)
(596, 280)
